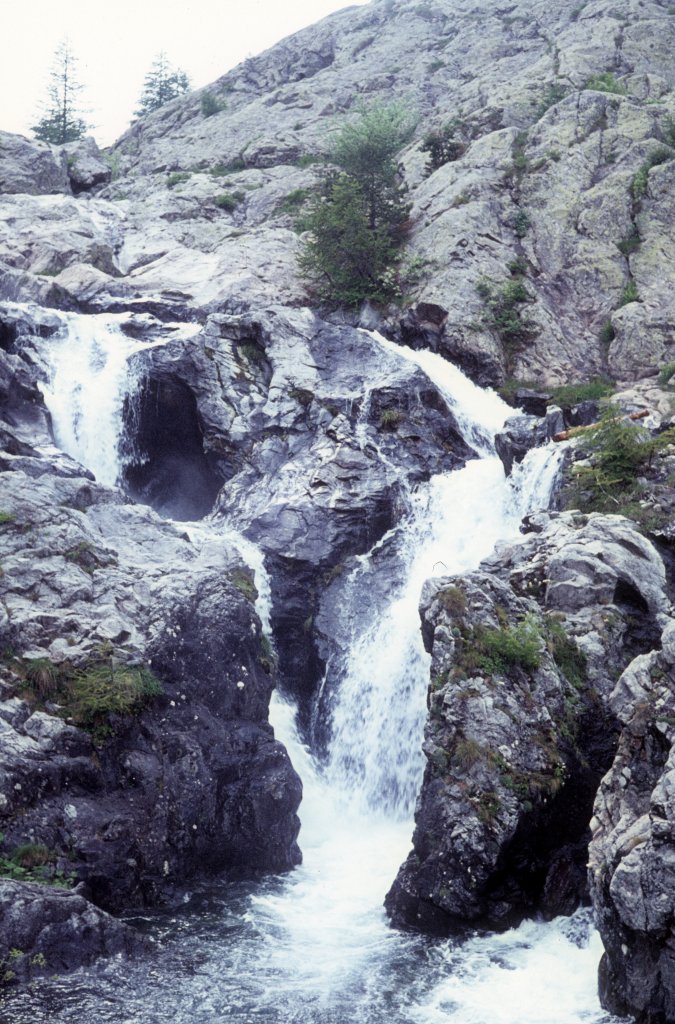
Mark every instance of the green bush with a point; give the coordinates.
(294, 201)
(629, 294)
(234, 166)
(6, 518)
(511, 646)
(630, 243)
(504, 311)
(177, 178)
(228, 201)
(210, 105)
(606, 81)
(618, 451)
(442, 145)
(571, 394)
(391, 419)
(640, 182)
(570, 660)
(607, 333)
(666, 374)
(88, 694)
(553, 93)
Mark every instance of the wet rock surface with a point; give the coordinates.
(525, 653)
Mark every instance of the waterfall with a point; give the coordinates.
(314, 946)
(91, 376)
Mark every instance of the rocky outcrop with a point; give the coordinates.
(633, 847)
(31, 167)
(552, 128)
(135, 751)
(54, 931)
(525, 652)
(86, 167)
(315, 467)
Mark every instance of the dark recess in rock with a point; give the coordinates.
(169, 469)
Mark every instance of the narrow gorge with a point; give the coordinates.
(327, 693)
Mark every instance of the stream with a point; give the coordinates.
(315, 945)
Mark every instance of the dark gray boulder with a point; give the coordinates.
(32, 167)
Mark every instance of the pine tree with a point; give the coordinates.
(62, 120)
(357, 220)
(162, 84)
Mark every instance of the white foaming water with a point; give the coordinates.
(92, 375)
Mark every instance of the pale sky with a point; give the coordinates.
(116, 41)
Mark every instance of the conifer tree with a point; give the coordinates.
(162, 84)
(62, 120)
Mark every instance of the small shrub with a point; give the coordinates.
(294, 201)
(571, 394)
(519, 645)
(503, 311)
(468, 752)
(43, 676)
(607, 333)
(553, 93)
(102, 688)
(232, 167)
(228, 201)
(606, 81)
(453, 600)
(618, 451)
(666, 374)
(668, 129)
(640, 182)
(391, 419)
(210, 105)
(244, 582)
(442, 145)
(570, 660)
(177, 178)
(6, 518)
(630, 243)
(521, 223)
(629, 294)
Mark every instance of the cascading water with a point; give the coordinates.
(314, 946)
(92, 375)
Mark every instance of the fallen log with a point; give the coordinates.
(565, 435)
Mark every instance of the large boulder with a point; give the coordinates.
(632, 853)
(525, 653)
(32, 167)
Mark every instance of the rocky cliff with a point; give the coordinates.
(550, 664)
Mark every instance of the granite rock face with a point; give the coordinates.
(521, 728)
(557, 108)
(632, 851)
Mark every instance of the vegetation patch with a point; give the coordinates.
(504, 314)
(629, 294)
(640, 182)
(32, 862)
(391, 419)
(357, 218)
(6, 518)
(90, 694)
(566, 654)
(228, 201)
(210, 104)
(443, 145)
(496, 651)
(244, 581)
(618, 452)
(630, 243)
(453, 600)
(177, 178)
(591, 390)
(606, 81)
(293, 202)
(665, 377)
